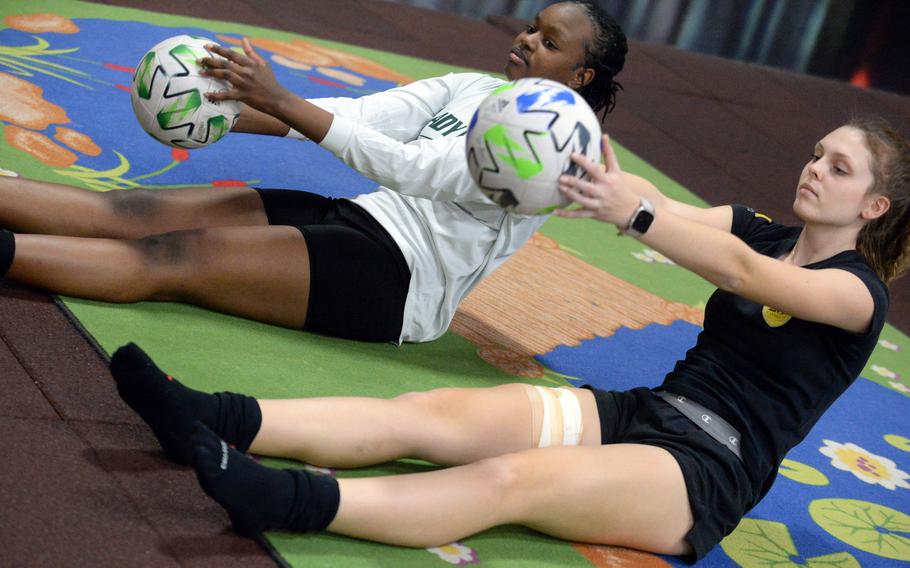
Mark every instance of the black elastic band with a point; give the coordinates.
(707, 420)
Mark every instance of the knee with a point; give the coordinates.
(506, 475)
(170, 249)
(428, 405)
(134, 208)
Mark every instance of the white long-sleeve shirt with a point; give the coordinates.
(411, 140)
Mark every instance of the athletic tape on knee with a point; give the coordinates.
(562, 424)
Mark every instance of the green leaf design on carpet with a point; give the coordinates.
(898, 441)
(758, 543)
(802, 473)
(868, 526)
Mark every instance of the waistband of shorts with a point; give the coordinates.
(707, 420)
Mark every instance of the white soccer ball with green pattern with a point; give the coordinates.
(520, 141)
(169, 95)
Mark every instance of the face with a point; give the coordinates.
(834, 184)
(553, 47)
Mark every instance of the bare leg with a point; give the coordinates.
(624, 494)
(260, 273)
(444, 426)
(28, 206)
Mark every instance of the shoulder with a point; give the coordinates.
(474, 81)
(854, 263)
(753, 226)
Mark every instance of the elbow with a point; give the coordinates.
(736, 275)
(732, 283)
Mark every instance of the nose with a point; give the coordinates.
(815, 168)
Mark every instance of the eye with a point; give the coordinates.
(549, 44)
(530, 29)
(814, 158)
(840, 171)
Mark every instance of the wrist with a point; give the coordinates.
(640, 220)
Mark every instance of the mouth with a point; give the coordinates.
(805, 187)
(517, 55)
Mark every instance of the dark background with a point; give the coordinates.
(863, 41)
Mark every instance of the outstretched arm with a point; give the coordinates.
(717, 217)
(252, 121)
(719, 256)
(253, 82)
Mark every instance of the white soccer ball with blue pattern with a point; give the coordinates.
(169, 95)
(521, 139)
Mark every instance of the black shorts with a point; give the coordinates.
(719, 489)
(358, 276)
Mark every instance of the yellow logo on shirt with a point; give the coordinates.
(774, 318)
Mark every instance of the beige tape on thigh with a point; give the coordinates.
(562, 424)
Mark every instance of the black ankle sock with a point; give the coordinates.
(7, 250)
(259, 498)
(170, 408)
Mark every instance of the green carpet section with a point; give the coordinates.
(214, 351)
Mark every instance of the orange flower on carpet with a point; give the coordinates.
(39, 146)
(78, 141)
(24, 104)
(313, 55)
(41, 23)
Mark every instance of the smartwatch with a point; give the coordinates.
(641, 219)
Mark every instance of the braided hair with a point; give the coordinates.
(606, 55)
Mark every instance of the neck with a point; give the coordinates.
(818, 242)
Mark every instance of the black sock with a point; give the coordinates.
(7, 250)
(171, 409)
(259, 498)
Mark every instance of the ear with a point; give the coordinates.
(583, 76)
(876, 206)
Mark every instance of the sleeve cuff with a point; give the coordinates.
(296, 135)
(339, 134)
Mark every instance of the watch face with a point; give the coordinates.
(642, 221)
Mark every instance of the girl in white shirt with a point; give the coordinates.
(391, 265)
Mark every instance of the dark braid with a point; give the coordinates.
(606, 55)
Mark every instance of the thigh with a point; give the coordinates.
(328, 279)
(620, 494)
(141, 212)
(260, 273)
(463, 425)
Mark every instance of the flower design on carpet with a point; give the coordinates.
(456, 553)
(8, 173)
(889, 345)
(885, 372)
(651, 255)
(865, 465)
